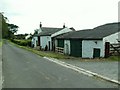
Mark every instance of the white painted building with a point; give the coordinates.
(89, 43)
(28, 36)
(34, 41)
(48, 34)
(46, 40)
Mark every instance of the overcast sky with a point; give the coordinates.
(80, 14)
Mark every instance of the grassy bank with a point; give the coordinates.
(114, 58)
(0, 43)
(44, 53)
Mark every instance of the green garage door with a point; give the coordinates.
(76, 48)
(61, 43)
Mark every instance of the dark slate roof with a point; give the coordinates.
(47, 31)
(95, 33)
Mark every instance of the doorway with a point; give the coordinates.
(96, 52)
(49, 45)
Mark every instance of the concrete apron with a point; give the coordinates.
(81, 70)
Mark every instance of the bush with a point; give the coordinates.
(22, 42)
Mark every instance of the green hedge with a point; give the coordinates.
(22, 42)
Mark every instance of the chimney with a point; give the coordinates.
(40, 24)
(64, 25)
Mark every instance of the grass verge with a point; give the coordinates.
(0, 43)
(114, 58)
(44, 53)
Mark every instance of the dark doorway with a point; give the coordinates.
(96, 52)
(53, 44)
(107, 49)
(38, 41)
(49, 45)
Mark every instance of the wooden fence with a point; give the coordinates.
(115, 49)
(59, 50)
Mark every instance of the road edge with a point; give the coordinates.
(81, 70)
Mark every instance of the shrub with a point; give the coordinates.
(22, 42)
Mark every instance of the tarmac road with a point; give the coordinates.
(24, 69)
(0, 67)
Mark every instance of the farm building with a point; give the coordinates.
(89, 43)
(34, 41)
(46, 35)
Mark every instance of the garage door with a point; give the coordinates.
(76, 48)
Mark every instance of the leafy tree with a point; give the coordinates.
(13, 28)
(4, 25)
(7, 30)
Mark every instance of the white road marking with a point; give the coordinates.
(80, 70)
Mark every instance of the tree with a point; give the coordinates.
(4, 27)
(13, 28)
(8, 30)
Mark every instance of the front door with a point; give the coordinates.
(96, 52)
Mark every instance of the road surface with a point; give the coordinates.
(24, 69)
(0, 67)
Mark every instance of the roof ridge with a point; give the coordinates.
(52, 27)
(84, 30)
(106, 24)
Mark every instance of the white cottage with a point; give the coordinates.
(48, 34)
(89, 43)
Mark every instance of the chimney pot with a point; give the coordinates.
(40, 24)
(64, 25)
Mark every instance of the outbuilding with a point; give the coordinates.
(89, 43)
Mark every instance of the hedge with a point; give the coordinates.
(22, 42)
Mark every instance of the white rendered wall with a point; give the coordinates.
(67, 47)
(65, 30)
(89, 45)
(39, 30)
(44, 40)
(111, 38)
(56, 43)
(34, 41)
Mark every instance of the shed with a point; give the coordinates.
(90, 43)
